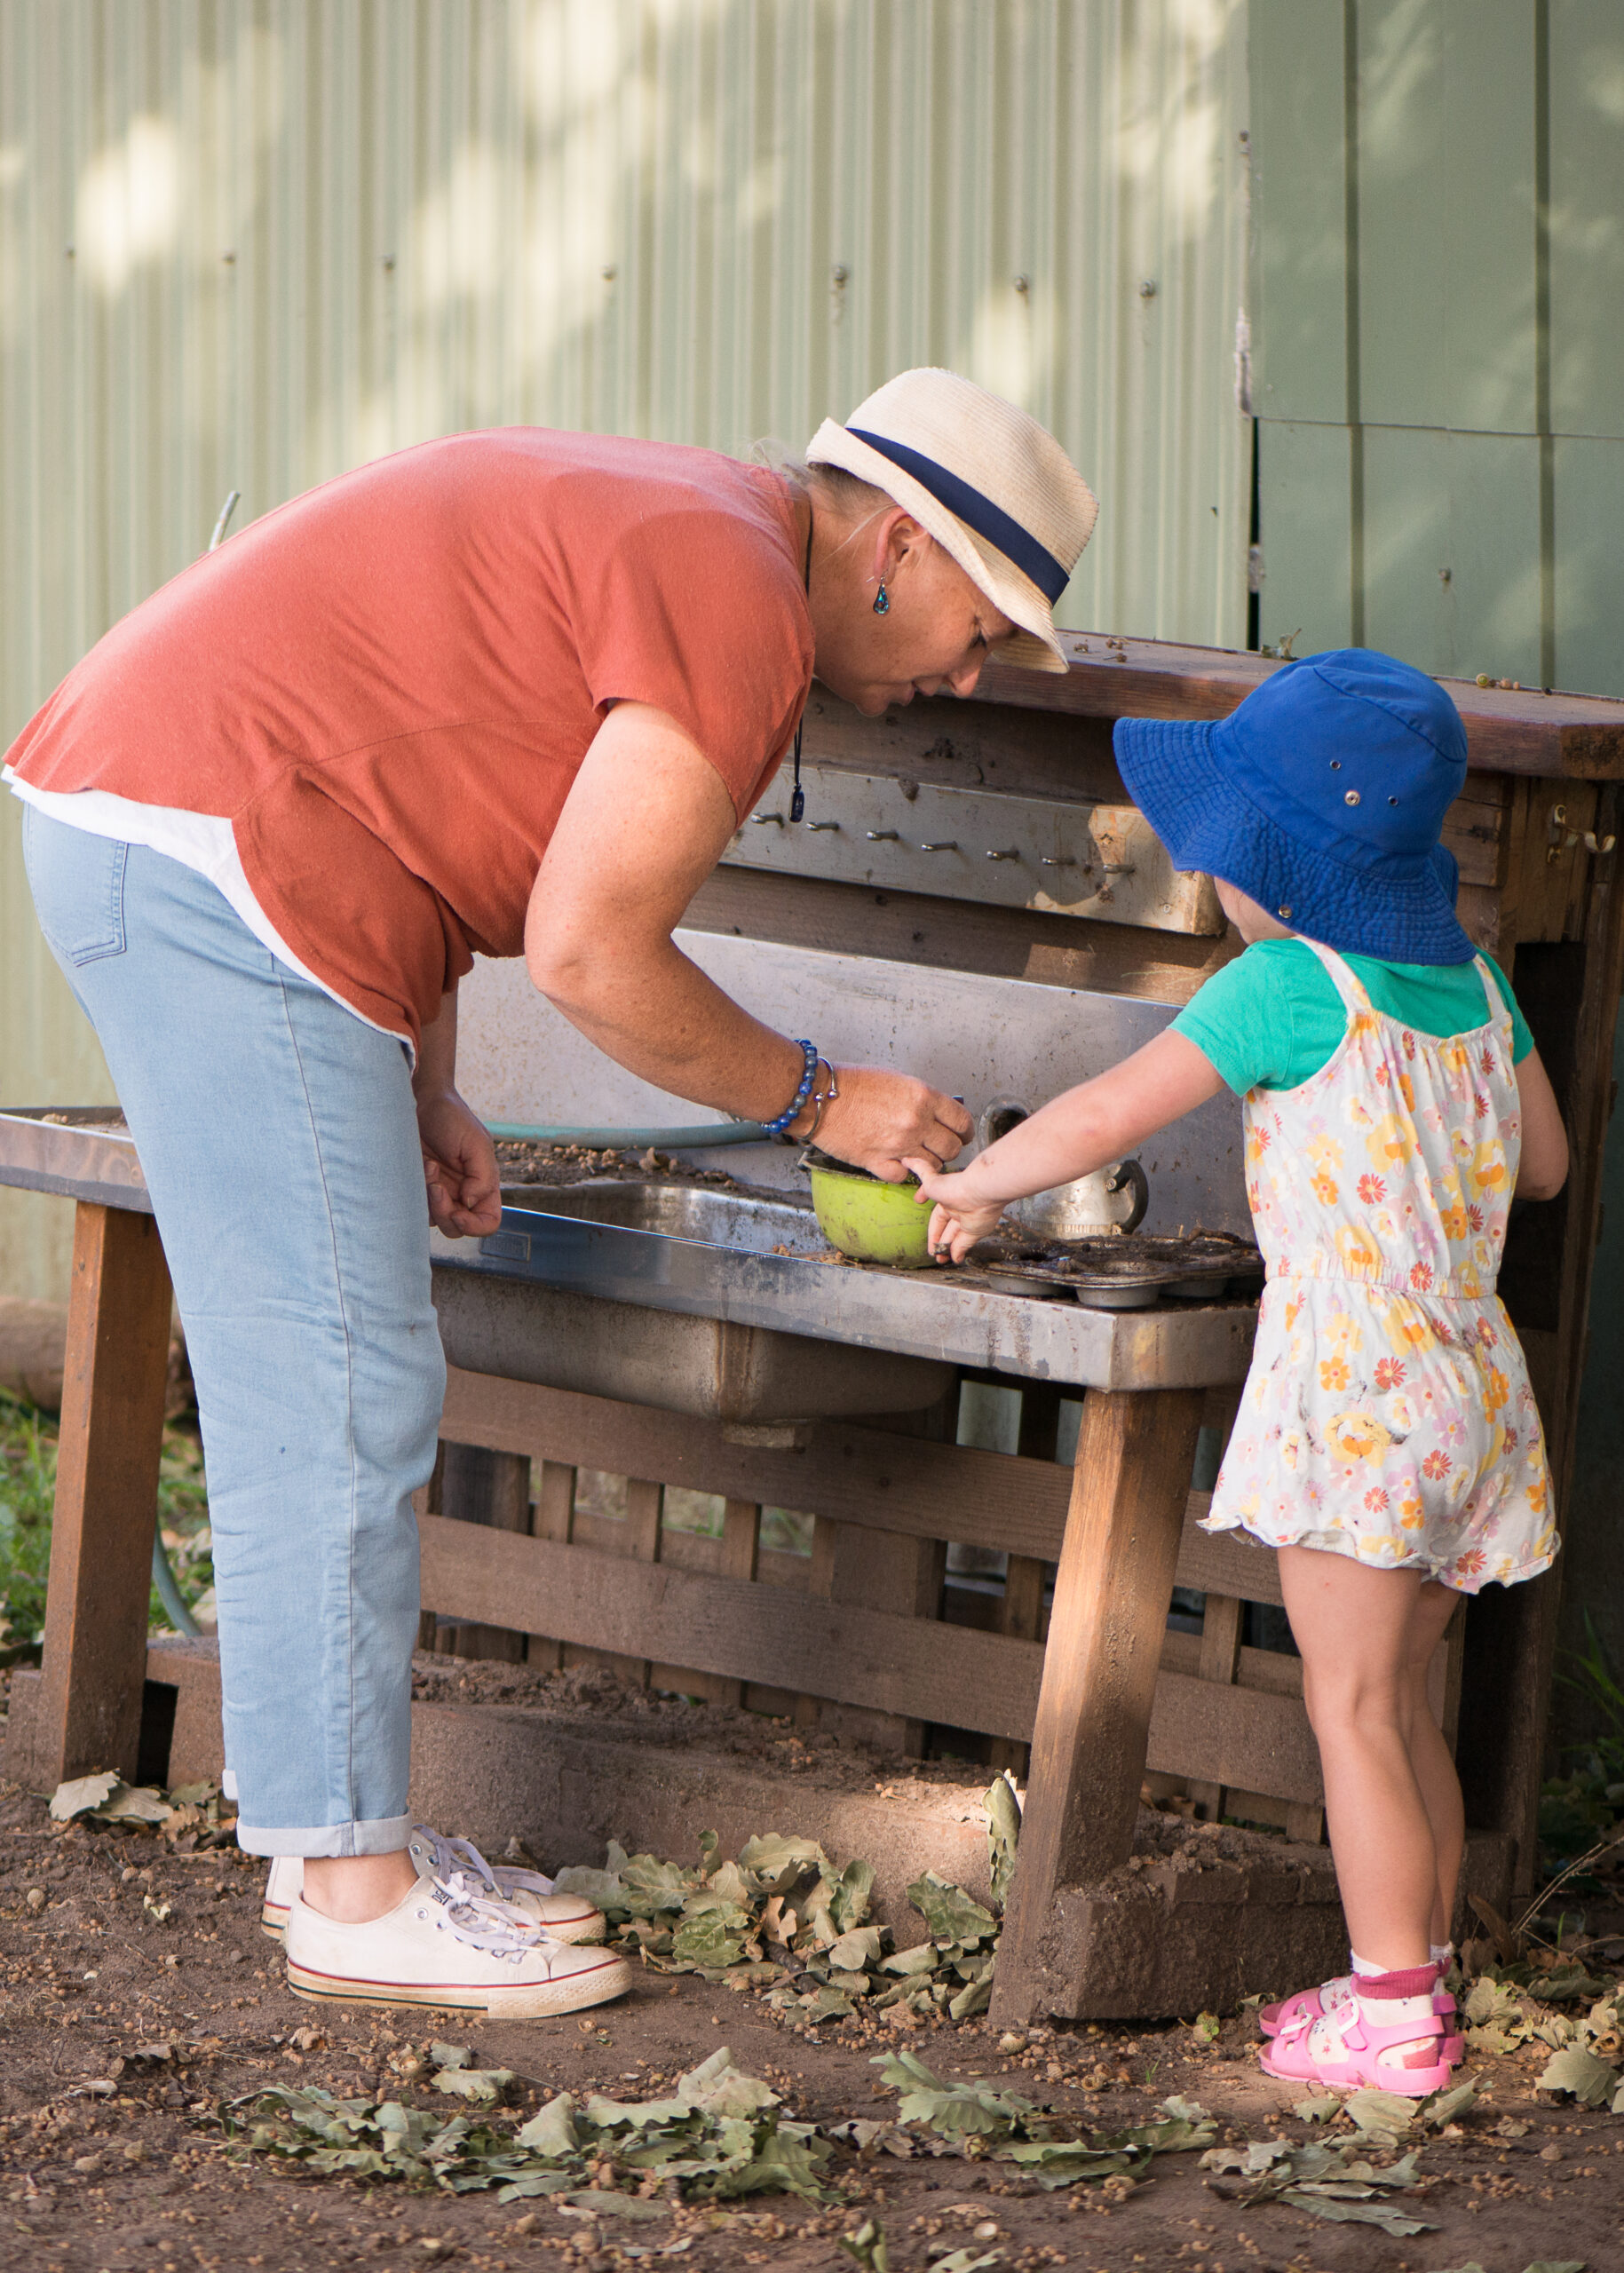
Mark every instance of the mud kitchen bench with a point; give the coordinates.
(681, 1329)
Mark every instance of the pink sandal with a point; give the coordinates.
(1350, 2045)
(1309, 2005)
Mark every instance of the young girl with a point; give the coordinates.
(1387, 1443)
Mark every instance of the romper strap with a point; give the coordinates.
(1491, 988)
(1350, 987)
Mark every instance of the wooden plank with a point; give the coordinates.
(89, 1714)
(1220, 1662)
(952, 744)
(1021, 1610)
(478, 1485)
(738, 1558)
(954, 935)
(552, 1517)
(912, 1666)
(916, 1668)
(1130, 1485)
(970, 746)
(850, 1473)
(1475, 828)
(1276, 1673)
(1234, 1738)
(1226, 1561)
(886, 1570)
(555, 1501)
(1507, 731)
(635, 1538)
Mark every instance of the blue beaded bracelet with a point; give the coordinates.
(810, 1052)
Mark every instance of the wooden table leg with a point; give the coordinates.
(1135, 1452)
(89, 1715)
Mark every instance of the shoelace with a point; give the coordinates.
(461, 1853)
(494, 1926)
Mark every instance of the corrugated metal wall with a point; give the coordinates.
(251, 242)
(1439, 282)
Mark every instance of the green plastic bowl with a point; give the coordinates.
(870, 1221)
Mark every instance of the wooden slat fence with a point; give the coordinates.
(853, 1631)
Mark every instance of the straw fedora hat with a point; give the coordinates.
(988, 483)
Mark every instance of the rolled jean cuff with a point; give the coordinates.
(330, 1840)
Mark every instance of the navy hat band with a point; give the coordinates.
(977, 512)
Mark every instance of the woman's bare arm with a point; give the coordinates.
(646, 821)
(459, 1160)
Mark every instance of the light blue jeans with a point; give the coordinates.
(279, 1145)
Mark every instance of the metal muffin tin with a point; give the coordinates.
(1129, 1273)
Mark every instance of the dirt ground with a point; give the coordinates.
(111, 1942)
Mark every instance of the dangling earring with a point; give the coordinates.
(881, 600)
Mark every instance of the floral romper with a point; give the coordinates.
(1387, 1413)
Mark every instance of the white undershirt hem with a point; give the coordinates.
(203, 841)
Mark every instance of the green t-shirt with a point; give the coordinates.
(1273, 1017)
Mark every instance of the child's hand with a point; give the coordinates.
(956, 1223)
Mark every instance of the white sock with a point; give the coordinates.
(1442, 1954)
(1401, 2011)
(1364, 1965)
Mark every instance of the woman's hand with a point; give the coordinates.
(459, 1167)
(958, 1219)
(879, 1119)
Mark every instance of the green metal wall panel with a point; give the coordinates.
(1452, 549)
(1589, 564)
(1305, 480)
(1401, 184)
(1482, 215)
(1446, 165)
(1587, 217)
(1300, 280)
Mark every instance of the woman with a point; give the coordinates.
(506, 692)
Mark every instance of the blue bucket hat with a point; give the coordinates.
(1321, 798)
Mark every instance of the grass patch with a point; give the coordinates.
(27, 1487)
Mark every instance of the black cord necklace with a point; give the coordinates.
(798, 799)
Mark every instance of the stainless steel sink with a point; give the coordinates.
(768, 1226)
(748, 1375)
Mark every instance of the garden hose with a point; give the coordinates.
(168, 1593)
(670, 1140)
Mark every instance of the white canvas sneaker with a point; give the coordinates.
(463, 1954)
(561, 1917)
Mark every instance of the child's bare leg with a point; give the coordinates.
(1430, 1756)
(1360, 1632)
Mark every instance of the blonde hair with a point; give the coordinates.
(851, 498)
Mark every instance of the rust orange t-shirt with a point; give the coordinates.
(386, 685)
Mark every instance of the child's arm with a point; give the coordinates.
(1543, 1169)
(1071, 1136)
